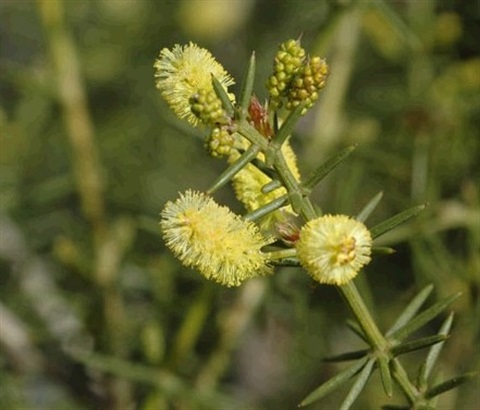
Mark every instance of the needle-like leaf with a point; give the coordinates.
(343, 357)
(266, 209)
(418, 344)
(355, 328)
(449, 384)
(386, 375)
(370, 207)
(264, 168)
(396, 220)
(334, 383)
(323, 170)
(435, 351)
(383, 250)
(233, 169)
(247, 85)
(358, 385)
(222, 94)
(423, 318)
(411, 309)
(271, 186)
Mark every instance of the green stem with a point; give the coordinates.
(349, 291)
(252, 135)
(300, 201)
(287, 127)
(283, 253)
(359, 309)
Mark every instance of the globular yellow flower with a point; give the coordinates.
(186, 72)
(211, 239)
(248, 185)
(333, 248)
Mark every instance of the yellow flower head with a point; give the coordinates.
(184, 72)
(333, 248)
(210, 238)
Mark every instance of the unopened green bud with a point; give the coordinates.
(309, 80)
(220, 142)
(207, 107)
(287, 63)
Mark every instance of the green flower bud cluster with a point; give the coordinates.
(207, 107)
(296, 77)
(288, 61)
(220, 142)
(307, 83)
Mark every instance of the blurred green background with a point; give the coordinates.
(96, 314)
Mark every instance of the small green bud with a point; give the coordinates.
(220, 142)
(287, 63)
(308, 81)
(207, 107)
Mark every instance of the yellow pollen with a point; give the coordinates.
(345, 251)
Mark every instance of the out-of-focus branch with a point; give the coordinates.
(39, 288)
(17, 342)
(108, 246)
(233, 326)
(327, 127)
(77, 119)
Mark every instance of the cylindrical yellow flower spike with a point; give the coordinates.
(211, 239)
(184, 78)
(333, 248)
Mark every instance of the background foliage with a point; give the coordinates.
(95, 313)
